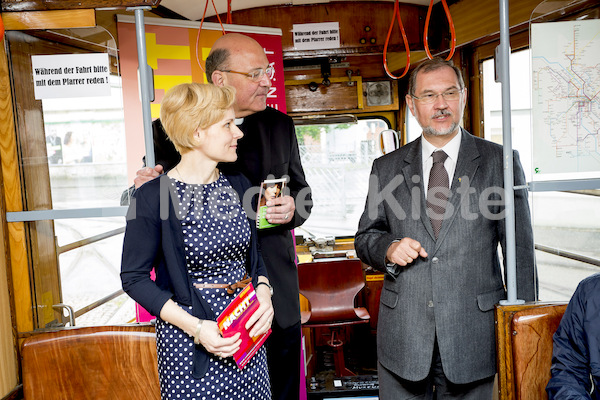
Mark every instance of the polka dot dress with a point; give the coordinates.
(216, 235)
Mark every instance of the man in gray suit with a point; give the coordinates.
(439, 248)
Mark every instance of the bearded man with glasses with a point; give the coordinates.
(269, 148)
(432, 223)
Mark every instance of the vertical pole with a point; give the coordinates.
(509, 193)
(145, 81)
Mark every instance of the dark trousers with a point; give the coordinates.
(283, 357)
(435, 387)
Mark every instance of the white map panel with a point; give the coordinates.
(566, 100)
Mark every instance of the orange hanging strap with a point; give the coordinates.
(217, 13)
(200, 30)
(452, 31)
(396, 14)
(229, 19)
(1, 28)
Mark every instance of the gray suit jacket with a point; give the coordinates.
(453, 291)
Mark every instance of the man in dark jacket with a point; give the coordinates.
(576, 354)
(269, 149)
(440, 253)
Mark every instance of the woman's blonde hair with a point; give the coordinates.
(189, 106)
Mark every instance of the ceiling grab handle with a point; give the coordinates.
(396, 14)
(452, 30)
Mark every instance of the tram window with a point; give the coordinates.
(337, 161)
(520, 98)
(565, 221)
(85, 142)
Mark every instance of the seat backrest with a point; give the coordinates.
(532, 349)
(524, 337)
(108, 362)
(330, 287)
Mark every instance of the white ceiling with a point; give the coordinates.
(193, 9)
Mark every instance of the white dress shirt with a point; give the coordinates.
(451, 149)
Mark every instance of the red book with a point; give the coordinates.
(233, 319)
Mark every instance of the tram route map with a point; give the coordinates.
(566, 99)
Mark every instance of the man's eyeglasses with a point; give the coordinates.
(448, 95)
(257, 74)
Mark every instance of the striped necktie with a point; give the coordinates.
(436, 198)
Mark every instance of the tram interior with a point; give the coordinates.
(62, 155)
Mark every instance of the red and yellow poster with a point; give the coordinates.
(176, 53)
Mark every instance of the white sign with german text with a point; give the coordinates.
(70, 75)
(316, 36)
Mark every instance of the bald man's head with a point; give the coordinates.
(231, 57)
(228, 45)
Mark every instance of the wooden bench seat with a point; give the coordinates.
(107, 362)
(524, 348)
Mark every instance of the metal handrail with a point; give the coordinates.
(590, 192)
(90, 240)
(98, 303)
(75, 245)
(568, 254)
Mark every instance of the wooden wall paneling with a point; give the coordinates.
(353, 17)
(476, 19)
(41, 5)
(474, 74)
(8, 344)
(397, 61)
(392, 116)
(336, 97)
(8, 357)
(300, 101)
(17, 257)
(31, 145)
(57, 19)
(368, 66)
(518, 41)
(10, 199)
(463, 64)
(402, 112)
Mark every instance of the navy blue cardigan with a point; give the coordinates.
(575, 366)
(154, 239)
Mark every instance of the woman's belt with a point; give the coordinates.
(231, 288)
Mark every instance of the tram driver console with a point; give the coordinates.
(365, 387)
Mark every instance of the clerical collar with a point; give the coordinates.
(239, 121)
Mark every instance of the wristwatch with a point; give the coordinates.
(267, 285)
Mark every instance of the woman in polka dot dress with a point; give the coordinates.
(191, 227)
